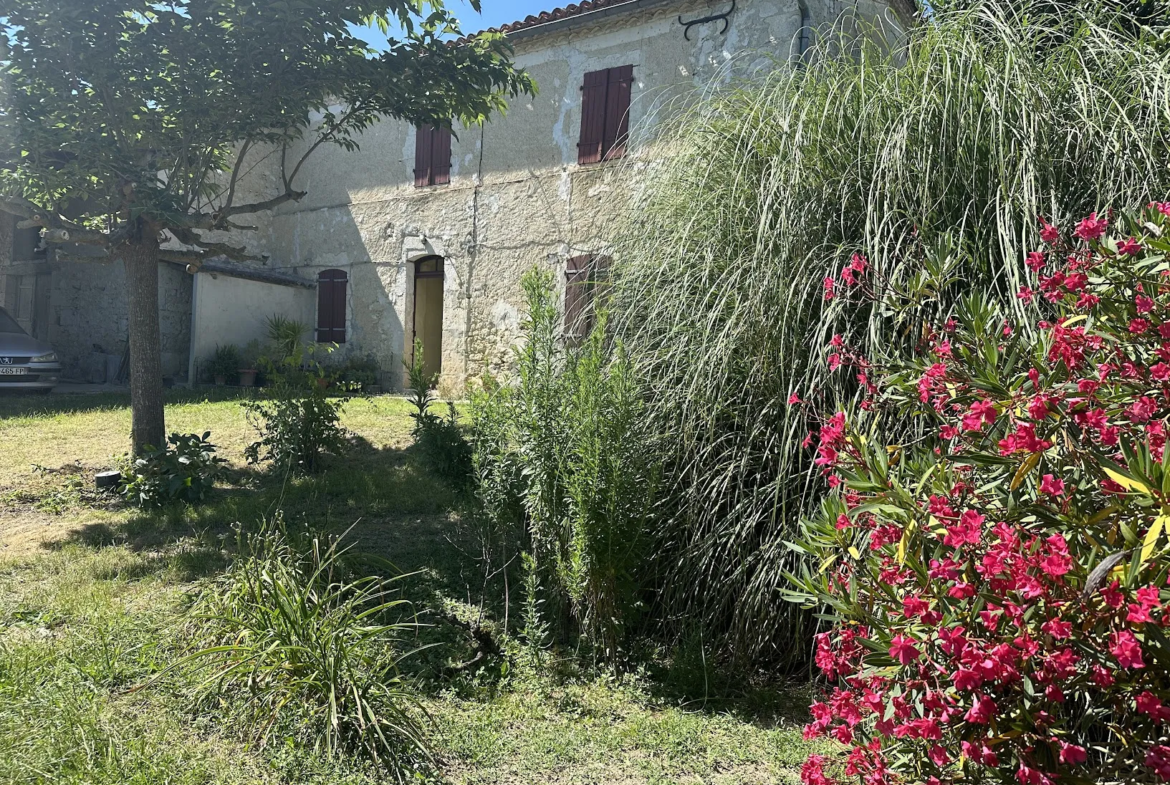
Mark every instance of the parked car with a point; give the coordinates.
(26, 364)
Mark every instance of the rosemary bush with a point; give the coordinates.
(561, 461)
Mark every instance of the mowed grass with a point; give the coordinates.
(94, 594)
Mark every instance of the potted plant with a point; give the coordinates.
(248, 364)
(360, 374)
(224, 364)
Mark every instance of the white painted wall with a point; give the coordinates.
(228, 310)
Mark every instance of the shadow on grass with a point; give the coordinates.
(13, 404)
(391, 507)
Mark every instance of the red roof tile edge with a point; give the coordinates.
(573, 9)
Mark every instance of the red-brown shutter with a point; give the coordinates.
(441, 156)
(617, 111)
(422, 155)
(577, 274)
(593, 102)
(331, 306)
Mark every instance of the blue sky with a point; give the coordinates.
(494, 13)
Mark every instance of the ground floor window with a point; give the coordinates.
(331, 306)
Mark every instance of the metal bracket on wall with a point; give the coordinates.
(712, 18)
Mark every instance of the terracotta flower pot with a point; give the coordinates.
(247, 377)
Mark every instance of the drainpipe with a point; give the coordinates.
(804, 41)
(471, 258)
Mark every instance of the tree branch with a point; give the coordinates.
(231, 194)
(60, 229)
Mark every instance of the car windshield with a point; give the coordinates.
(8, 324)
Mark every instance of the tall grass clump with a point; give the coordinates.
(562, 462)
(304, 650)
(934, 158)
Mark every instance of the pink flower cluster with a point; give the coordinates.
(1001, 590)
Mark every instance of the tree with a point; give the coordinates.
(130, 121)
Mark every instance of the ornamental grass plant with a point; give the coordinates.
(934, 159)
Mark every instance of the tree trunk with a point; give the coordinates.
(146, 385)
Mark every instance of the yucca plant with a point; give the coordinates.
(308, 651)
(981, 121)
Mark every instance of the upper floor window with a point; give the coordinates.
(605, 114)
(432, 155)
(331, 306)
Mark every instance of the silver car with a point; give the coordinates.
(26, 364)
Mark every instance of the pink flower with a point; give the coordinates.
(981, 413)
(1072, 754)
(829, 287)
(1143, 304)
(1091, 228)
(1158, 759)
(1139, 326)
(968, 531)
(1129, 247)
(813, 771)
(967, 680)
(1127, 650)
(1026, 294)
(902, 649)
(1048, 233)
(1057, 628)
(1051, 485)
(982, 712)
(794, 399)
(1149, 704)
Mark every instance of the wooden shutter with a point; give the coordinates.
(593, 100)
(331, 306)
(578, 271)
(422, 155)
(617, 111)
(440, 156)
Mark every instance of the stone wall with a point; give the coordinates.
(517, 197)
(88, 307)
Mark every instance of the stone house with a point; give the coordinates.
(425, 234)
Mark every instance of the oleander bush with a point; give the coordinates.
(996, 580)
(970, 126)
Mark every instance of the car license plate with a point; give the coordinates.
(13, 371)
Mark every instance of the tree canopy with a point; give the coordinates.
(128, 122)
(123, 109)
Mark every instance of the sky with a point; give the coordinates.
(493, 14)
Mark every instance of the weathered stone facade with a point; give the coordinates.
(517, 196)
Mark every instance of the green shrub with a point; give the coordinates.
(304, 649)
(225, 362)
(563, 456)
(185, 470)
(298, 427)
(359, 373)
(444, 449)
(981, 122)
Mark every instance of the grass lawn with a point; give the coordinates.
(93, 596)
